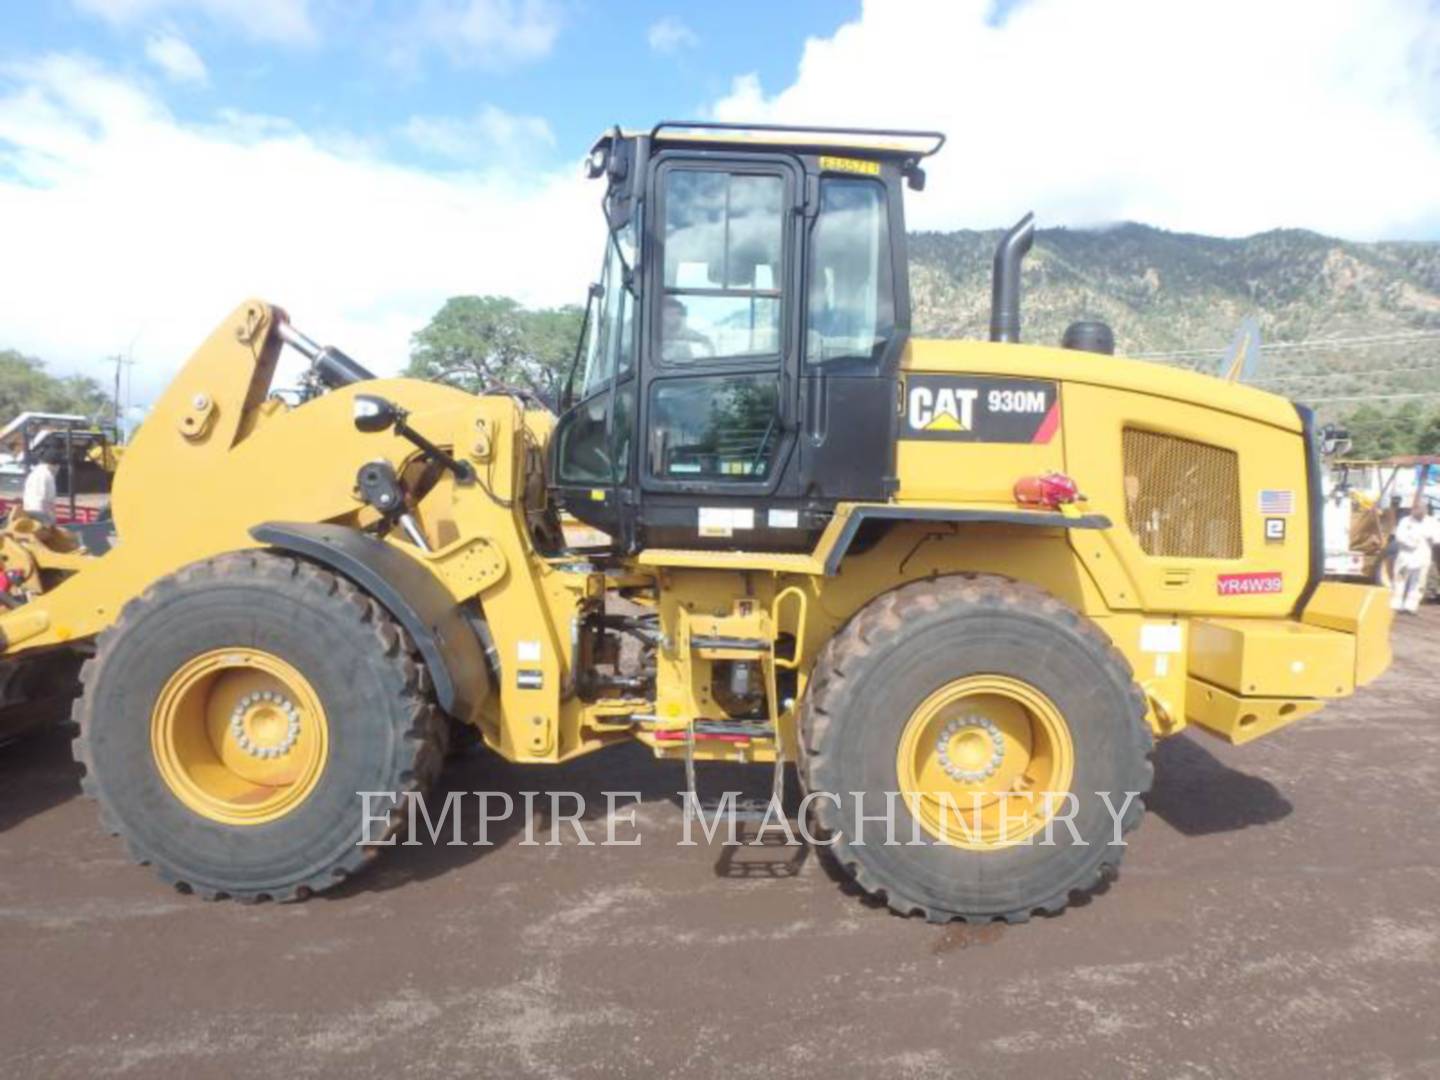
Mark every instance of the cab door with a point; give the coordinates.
(857, 320)
(718, 386)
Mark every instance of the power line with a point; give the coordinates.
(1365, 372)
(1321, 343)
(1306, 343)
(1370, 397)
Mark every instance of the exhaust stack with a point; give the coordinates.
(1005, 286)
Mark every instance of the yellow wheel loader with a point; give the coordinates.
(960, 586)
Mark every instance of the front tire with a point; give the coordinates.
(233, 713)
(974, 694)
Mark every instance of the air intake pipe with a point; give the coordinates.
(1005, 288)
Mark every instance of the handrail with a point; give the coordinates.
(794, 592)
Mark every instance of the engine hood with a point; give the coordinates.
(1071, 366)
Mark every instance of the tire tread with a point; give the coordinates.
(842, 661)
(425, 735)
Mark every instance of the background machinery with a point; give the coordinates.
(87, 454)
(961, 578)
(1364, 502)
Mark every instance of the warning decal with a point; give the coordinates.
(980, 409)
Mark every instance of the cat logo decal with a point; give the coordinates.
(945, 409)
(980, 409)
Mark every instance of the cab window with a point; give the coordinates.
(611, 342)
(851, 308)
(593, 444)
(720, 428)
(723, 237)
(593, 440)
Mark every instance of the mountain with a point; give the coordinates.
(1179, 293)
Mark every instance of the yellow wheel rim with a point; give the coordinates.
(239, 736)
(985, 762)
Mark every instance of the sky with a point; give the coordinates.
(359, 161)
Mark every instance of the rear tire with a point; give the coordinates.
(883, 673)
(155, 754)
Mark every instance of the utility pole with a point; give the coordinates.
(120, 362)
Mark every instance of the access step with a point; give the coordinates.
(748, 811)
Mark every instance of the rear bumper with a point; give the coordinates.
(1249, 677)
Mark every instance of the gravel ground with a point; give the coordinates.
(1277, 916)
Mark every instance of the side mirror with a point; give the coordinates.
(1334, 440)
(374, 414)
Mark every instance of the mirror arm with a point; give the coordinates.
(463, 470)
(375, 414)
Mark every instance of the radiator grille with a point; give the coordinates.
(1182, 498)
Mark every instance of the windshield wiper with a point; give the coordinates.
(567, 396)
(627, 272)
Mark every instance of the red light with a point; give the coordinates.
(1049, 490)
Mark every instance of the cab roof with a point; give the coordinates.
(869, 142)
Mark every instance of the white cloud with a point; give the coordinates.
(485, 33)
(491, 136)
(173, 55)
(126, 224)
(262, 20)
(1222, 116)
(670, 35)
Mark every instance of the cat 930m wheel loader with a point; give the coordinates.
(965, 584)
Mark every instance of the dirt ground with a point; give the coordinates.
(1278, 915)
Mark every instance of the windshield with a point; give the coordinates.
(610, 345)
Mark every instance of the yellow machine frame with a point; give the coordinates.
(201, 472)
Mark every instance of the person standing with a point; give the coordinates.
(1415, 537)
(38, 498)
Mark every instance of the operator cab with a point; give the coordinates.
(738, 372)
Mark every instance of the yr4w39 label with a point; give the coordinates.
(980, 409)
(1250, 584)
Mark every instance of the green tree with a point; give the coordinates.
(1428, 441)
(480, 342)
(1405, 426)
(1368, 434)
(1378, 434)
(26, 385)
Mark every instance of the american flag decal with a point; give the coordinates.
(1277, 502)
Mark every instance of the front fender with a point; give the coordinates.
(417, 599)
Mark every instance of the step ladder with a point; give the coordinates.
(715, 646)
(746, 810)
(714, 643)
